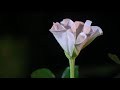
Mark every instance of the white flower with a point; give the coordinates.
(74, 35)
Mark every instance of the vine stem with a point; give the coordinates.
(72, 67)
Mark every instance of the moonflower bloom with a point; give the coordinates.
(74, 36)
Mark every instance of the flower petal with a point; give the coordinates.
(78, 27)
(66, 40)
(81, 37)
(61, 37)
(67, 23)
(57, 27)
(70, 42)
(97, 30)
(87, 27)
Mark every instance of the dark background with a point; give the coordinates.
(29, 37)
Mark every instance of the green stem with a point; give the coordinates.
(72, 68)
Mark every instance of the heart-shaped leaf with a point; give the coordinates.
(66, 73)
(42, 73)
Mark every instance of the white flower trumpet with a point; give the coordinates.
(74, 35)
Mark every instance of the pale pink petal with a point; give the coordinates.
(87, 27)
(66, 40)
(78, 24)
(61, 37)
(77, 27)
(53, 27)
(57, 27)
(67, 23)
(81, 38)
(96, 31)
(71, 42)
(80, 46)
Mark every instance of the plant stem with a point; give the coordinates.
(72, 68)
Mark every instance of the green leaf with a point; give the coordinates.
(114, 58)
(42, 73)
(66, 73)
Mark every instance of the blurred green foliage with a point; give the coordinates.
(12, 58)
(114, 57)
(42, 73)
(66, 73)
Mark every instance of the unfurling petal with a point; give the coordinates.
(70, 42)
(62, 39)
(96, 30)
(78, 27)
(57, 27)
(81, 37)
(66, 40)
(67, 23)
(87, 27)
